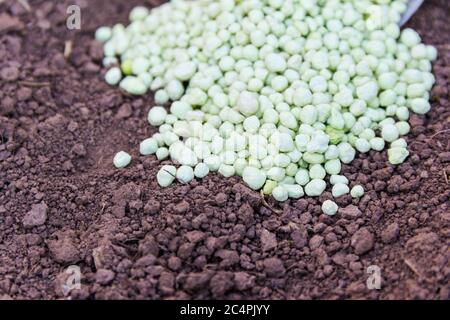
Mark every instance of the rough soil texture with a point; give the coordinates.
(62, 203)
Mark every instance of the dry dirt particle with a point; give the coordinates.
(390, 233)
(36, 216)
(63, 250)
(362, 241)
(268, 240)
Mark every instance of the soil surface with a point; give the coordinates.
(63, 204)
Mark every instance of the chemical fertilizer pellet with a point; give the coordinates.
(122, 159)
(357, 191)
(281, 93)
(329, 208)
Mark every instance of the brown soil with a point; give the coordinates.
(62, 203)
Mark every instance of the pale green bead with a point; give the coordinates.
(140, 65)
(254, 177)
(228, 157)
(288, 120)
(340, 189)
(252, 124)
(358, 107)
(270, 116)
(109, 61)
(432, 53)
(283, 141)
(226, 170)
(387, 98)
(276, 174)
(280, 193)
(121, 159)
(213, 162)
(415, 90)
(329, 208)
(180, 109)
(161, 97)
(420, 105)
(185, 174)
(315, 187)
(391, 110)
(344, 97)
(269, 186)
(333, 166)
(412, 76)
(318, 84)
(302, 141)
(281, 160)
(227, 63)
(170, 138)
(316, 171)
(332, 153)
(362, 145)
(103, 34)
(400, 143)
(162, 153)
(294, 191)
(313, 158)
(187, 158)
(302, 97)
(148, 146)
(346, 152)
(279, 83)
(184, 71)
(389, 132)
(139, 13)
(368, 91)
(302, 177)
(252, 162)
(336, 120)
(171, 119)
(288, 181)
(377, 144)
(174, 90)
(402, 113)
(157, 116)
(386, 121)
(409, 37)
(113, 76)
(133, 86)
(159, 138)
(357, 191)
(267, 162)
(335, 179)
(367, 134)
(239, 166)
(397, 155)
(295, 155)
(166, 176)
(255, 85)
(291, 169)
(388, 80)
(403, 127)
(275, 62)
(247, 103)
